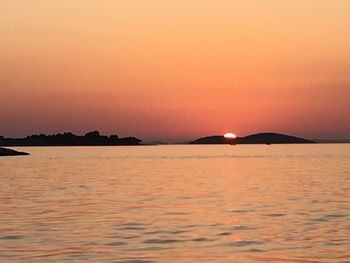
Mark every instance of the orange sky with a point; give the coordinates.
(175, 69)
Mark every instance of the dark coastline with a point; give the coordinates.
(94, 138)
(69, 139)
(9, 152)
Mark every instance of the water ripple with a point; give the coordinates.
(176, 204)
(162, 241)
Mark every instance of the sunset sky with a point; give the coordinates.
(175, 69)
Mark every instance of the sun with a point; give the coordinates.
(230, 135)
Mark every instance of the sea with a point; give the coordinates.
(176, 203)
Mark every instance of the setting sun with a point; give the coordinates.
(230, 135)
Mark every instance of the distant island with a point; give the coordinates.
(69, 139)
(9, 152)
(259, 138)
(94, 138)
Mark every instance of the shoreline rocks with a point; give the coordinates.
(9, 152)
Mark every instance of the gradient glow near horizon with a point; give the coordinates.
(175, 69)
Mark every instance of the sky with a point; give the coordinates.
(175, 69)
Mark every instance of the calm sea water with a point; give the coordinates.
(279, 203)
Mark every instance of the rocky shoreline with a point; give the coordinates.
(9, 152)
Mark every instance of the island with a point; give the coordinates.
(9, 152)
(93, 138)
(259, 138)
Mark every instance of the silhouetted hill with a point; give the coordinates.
(259, 138)
(269, 138)
(9, 152)
(69, 139)
(215, 139)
